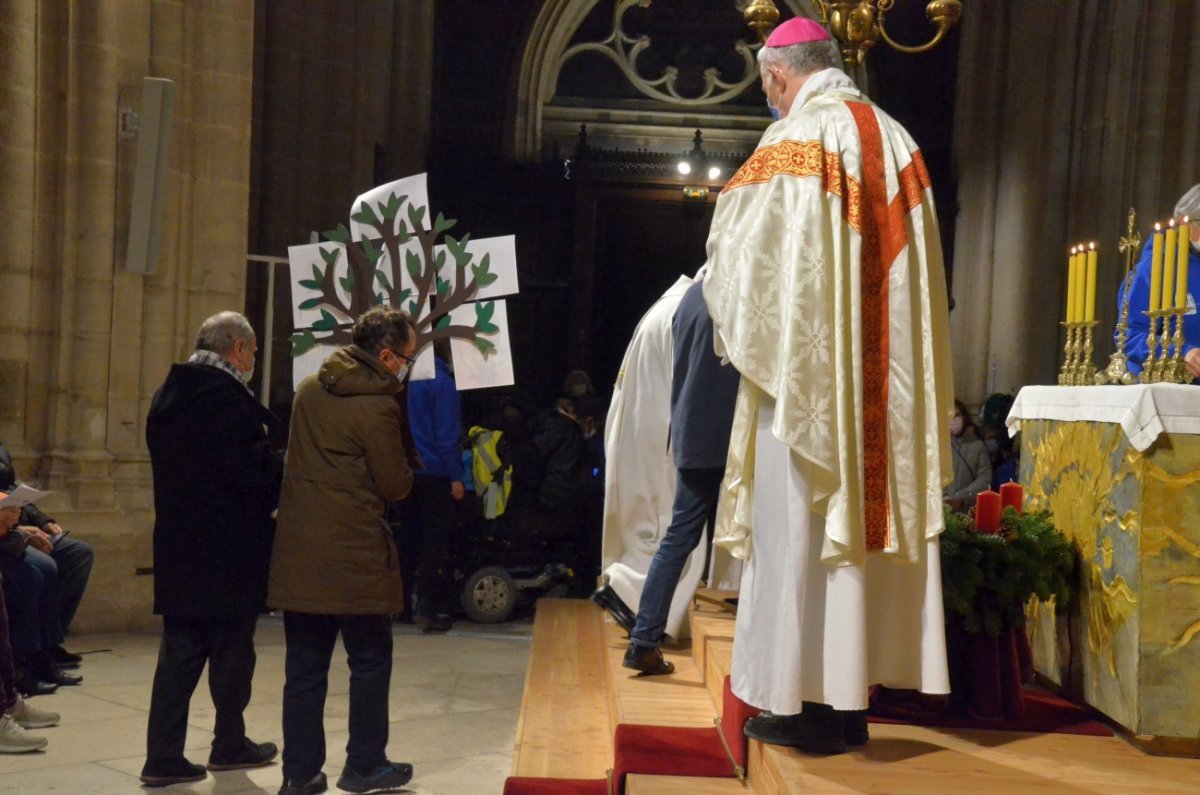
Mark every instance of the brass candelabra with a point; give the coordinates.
(1117, 371)
(1077, 369)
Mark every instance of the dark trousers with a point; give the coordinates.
(73, 559)
(425, 522)
(227, 645)
(8, 673)
(31, 591)
(696, 492)
(310, 640)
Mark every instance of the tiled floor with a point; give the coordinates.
(454, 704)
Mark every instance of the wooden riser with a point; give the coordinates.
(564, 730)
(683, 785)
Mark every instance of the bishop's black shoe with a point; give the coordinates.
(647, 659)
(819, 729)
(854, 727)
(607, 598)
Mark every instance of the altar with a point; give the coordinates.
(1119, 468)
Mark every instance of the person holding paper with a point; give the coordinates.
(216, 482)
(1186, 254)
(63, 559)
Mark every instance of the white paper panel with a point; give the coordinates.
(503, 264)
(414, 187)
(471, 370)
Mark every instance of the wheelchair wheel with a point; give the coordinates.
(489, 595)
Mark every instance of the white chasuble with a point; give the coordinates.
(639, 487)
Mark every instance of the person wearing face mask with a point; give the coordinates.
(1139, 294)
(827, 292)
(578, 384)
(216, 482)
(334, 565)
(972, 464)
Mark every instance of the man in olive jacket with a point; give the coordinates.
(334, 566)
(216, 481)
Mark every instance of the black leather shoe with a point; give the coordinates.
(648, 660)
(164, 772)
(818, 730)
(294, 786)
(45, 669)
(30, 685)
(65, 659)
(607, 598)
(854, 727)
(388, 777)
(250, 754)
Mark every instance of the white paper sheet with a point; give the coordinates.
(502, 263)
(471, 370)
(413, 187)
(22, 495)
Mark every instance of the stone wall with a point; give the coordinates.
(83, 342)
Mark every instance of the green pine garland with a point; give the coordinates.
(987, 579)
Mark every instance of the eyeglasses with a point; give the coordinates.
(411, 360)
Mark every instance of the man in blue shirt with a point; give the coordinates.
(1139, 295)
(427, 517)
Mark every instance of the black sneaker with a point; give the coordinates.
(251, 754)
(391, 776)
(294, 786)
(163, 772)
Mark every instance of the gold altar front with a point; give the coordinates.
(1128, 644)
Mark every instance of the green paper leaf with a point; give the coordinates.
(339, 235)
(330, 255)
(443, 286)
(312, 303)
(486, 348)
(365, 215)
(416, 216)
(327, 322)
(413, 264)
(391, 207)
(317, 273)
(412, 310)
(443, 322)
(311, 284)
(384, 280)
(443, 224)
(371, 251)
(484, 310)
(380, 299)
(403, 296)
(439, 261)
(481, 274)
(302, 342)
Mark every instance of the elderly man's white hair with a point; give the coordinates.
(1189, 204)
(221, 331)
(801, 59)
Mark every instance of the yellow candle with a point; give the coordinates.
(1071, 268)
(1090, 299)
(1156, 264)
(1181, 267)
(1168, 284)
(1080, 282)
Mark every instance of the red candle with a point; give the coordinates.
(1012, 494)
(987, 512)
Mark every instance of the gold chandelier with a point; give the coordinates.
(858, 24)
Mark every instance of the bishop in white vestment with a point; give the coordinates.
(827, 291)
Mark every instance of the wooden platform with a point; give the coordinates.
(576, 693)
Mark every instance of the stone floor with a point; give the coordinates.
(454, 705)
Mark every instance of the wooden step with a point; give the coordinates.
(563, 730)
(684, 785)
(712, 643)
(679, 699)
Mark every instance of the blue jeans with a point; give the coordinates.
(696, 492)
(310, 640)
(31, 590)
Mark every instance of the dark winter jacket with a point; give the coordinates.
(216, 482)
(346, 459)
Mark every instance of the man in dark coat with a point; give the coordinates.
(216, 483)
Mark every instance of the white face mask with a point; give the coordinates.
(956, 426)
(402, 372)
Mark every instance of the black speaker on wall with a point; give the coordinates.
(150, 175)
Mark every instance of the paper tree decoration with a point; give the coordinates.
(451, 287)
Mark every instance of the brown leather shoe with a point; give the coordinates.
(648, 660)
